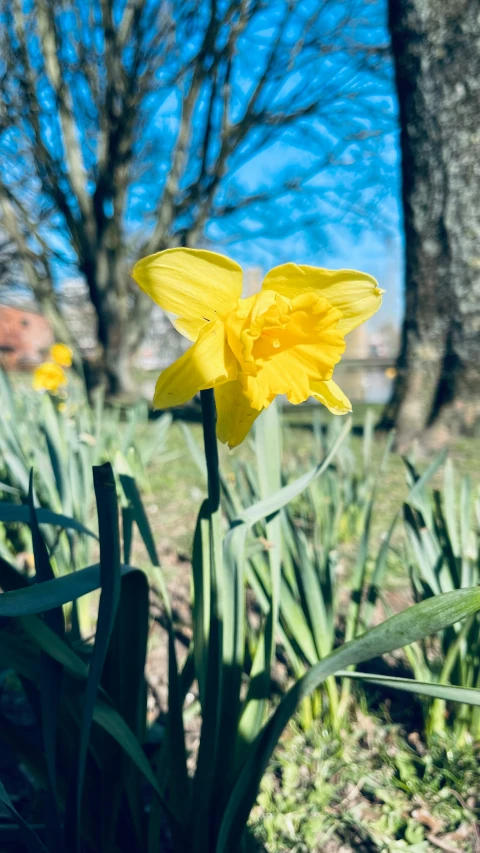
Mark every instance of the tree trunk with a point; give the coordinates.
(122, 315)
(111, 368)
(436, 49)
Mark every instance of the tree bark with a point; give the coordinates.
(436, 49)
(122, 314)
(121, 329)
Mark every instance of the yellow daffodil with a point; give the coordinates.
(61, 354)
(49, 377)
(284, 340)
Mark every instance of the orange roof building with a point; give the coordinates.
(25, 338)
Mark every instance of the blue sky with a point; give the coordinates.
(375, 247)
(379, 254)
(373, 242)
(343, 154)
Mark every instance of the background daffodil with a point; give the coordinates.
(49, 377)
(61, 354)
(284, 340)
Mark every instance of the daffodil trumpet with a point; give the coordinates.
(284, 340)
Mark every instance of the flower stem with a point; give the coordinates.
(209, 418)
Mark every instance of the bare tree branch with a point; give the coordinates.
(127, 127)
(71, 134)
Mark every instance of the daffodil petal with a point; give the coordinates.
(206, 364)
(235, 414)
(331, 396)
(188, 328)
(193, 284)
(356, 294)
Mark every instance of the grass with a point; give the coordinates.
(369, 790)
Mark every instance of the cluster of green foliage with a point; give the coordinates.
(442, 554)
(61, 439)
(111, 785)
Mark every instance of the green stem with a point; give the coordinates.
(209, 419)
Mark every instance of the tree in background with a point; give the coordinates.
(436, 48)
(8, 258)
(127, 127)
